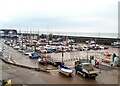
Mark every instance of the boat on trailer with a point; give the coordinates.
(65, 70)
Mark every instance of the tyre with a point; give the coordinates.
(84, 75)
(94, 78)
(76, 71)
(70, 75)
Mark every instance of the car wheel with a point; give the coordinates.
(84, 75)
(70, 75)
(76, 71)
(94, 78)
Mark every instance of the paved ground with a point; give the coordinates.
(25, 76)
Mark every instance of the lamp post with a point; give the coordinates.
(22, 39)
(11, 37)
(62, 55)
(87, 53)
(35, 45)
(95, 47)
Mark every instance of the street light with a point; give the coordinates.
(62, 54)
(35, 45)
(87, 53)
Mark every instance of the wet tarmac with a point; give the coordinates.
(25, 76)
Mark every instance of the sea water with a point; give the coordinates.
(86, 34)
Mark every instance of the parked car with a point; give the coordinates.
(103, 47)
(27, 51)
(43, 61)
(22, 49)
(34, 55)
(93, 47)
(16, 47)
(56, 50)
(81, 48)
(116, 44)
(7, 42)
(87, 70)
(49, 50)
(1, 53)
(43, 51)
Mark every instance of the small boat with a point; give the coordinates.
(65, 70)
(43, 61)
(34, 55)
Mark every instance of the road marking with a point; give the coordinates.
(99, 81)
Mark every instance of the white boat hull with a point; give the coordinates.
(66, 72)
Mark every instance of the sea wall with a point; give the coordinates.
(80, 39)
(99, 40)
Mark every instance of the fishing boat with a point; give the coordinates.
(65, 70)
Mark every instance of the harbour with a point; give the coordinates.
(59, 43)
(69, 55)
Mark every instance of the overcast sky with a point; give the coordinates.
(60, 15)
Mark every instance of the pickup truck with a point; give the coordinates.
(87, 70)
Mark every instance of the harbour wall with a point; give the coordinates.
(81, 39)
(98, 40)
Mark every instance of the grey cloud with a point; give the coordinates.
(39, 20)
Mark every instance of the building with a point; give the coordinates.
(8, 33)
